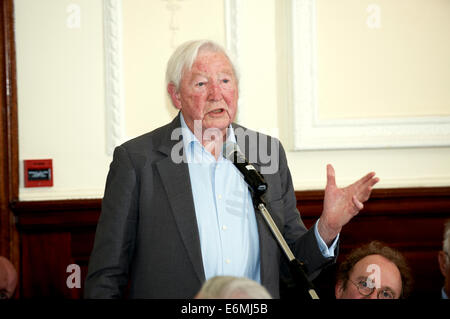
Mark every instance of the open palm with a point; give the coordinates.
(342, 204)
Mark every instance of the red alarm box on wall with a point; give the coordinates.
(38, 173)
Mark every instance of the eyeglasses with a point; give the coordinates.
(366, 290)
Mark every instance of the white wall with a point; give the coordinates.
(61, 87)
(60, 82)
(151, 32)
(381, 61)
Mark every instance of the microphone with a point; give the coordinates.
(251, 176)
(258, 185)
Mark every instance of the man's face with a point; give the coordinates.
(381, 273)
(208, 92)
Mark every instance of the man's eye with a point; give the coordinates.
(363, 283)
(200, 83)
(225, 80)
(386, 294)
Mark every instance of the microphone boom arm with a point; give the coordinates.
(295, 265)
(258, 187)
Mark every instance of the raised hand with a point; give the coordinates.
(342, 204)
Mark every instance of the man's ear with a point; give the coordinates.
(174, 95)
(443, 263)
(339, 289)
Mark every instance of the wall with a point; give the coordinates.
(61, 105)
(380, 61)
(151, 31)
(61, 84)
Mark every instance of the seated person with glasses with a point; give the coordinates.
(373, 271)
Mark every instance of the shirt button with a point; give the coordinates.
(228, 261)
(220, 196)
(224, 227)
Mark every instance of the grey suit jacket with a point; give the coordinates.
(147, 234)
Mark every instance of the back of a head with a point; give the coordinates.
(229, 287)
(8, 278)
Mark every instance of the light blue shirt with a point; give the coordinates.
(225, 215)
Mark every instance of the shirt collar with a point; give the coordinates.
(189, 139)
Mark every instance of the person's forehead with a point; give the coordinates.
(6, 265)
(364, 263)
(389, 273)
(377, 264)
(207, 59)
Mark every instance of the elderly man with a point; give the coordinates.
(176, 212)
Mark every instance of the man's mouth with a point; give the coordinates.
(218, 111)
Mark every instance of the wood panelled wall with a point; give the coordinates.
(55, 234)
(410, 220)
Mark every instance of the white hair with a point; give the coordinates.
(229, 287)
(184, 57)
(446, 241)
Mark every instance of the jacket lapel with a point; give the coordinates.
(176, 182)
(264, 234)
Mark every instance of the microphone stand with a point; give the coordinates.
(295, 266)
(258, 187)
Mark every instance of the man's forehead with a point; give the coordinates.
(370, 264)
(209, 62)
(211, 57)
(198, 73)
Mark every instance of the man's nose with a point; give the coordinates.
(373, 295)
(215, 92)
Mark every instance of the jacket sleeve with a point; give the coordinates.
(302, 241)
(116, 231)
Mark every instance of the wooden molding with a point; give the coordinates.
(56, 215)
(386, 202)
(9, 171)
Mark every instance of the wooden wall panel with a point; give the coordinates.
(45, 257)
(55, 234)
(410, 220)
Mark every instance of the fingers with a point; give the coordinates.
(363, 191)
(366, 182)
(331, 176)
(370, 183)
(374, 181)
(367, 178)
